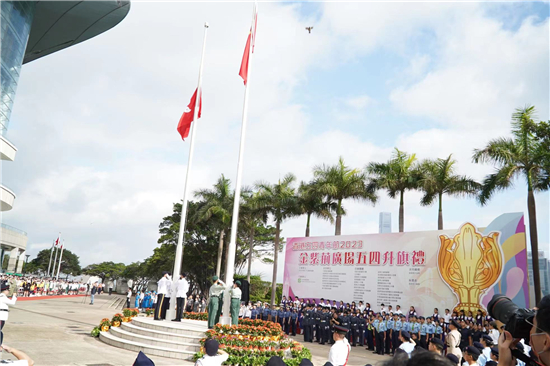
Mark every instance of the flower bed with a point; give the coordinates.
(196, 316)
(253, 342)
(105, 324)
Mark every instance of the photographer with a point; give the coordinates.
(522, 323)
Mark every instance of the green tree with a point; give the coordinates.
(278, 200)
(523, 156)
(439, 178)
(217, 203)
(136, 272)
(70, 263)
(339, 182)
(105, 270)
(398, 175)
(311, 202)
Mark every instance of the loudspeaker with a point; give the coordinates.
(245, 288)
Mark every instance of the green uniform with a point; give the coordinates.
(215, 305)
(235, 305)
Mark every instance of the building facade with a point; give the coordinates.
(31, 30)
(544, 269)
(384, 224)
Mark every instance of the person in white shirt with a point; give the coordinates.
(22, 358)
(4, 309)
(214, 356)
(406, 346)
(182, 288)
(339, 352)
(383, 309)
(161, 293)
(494, 333)
(398, 310)
(247, 311)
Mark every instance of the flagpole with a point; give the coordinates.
(60, 256)
(179, 249)
(54, 261)
(51, 255)
(230, 264)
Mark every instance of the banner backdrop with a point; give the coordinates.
(459, 269)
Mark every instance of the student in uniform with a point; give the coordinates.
(375, 322)
(439, 329)
(406, 345)
(397, 326)
(280, 317)
(389, 334)
(286, 319)
(306, 324)
(430, 330)
(415, 328)
(435, 316)
(293, 321)
(423, 333)
(325, 325)
(479, 318)
(380, 335)
(318, 330)
(362, 328)
(369, 333)
(354, 328)
(274, 314)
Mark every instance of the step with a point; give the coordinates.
(132, 328)
(187, 327)
(123, 334)
(148, 349)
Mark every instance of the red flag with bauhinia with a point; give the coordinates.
(243, 72)
(185, 121)
(57, 241)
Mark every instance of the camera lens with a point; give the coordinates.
(501, 308)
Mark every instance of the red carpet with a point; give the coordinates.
(46, 297)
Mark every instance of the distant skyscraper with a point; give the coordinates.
(384, 226)
(544, 269)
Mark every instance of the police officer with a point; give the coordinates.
(362, 329)
(354, 327)
(318, 330)
(334, 321)
(308, 324)
(286, 319)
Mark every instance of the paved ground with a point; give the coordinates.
(56, 332)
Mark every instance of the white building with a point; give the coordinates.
(384, 226)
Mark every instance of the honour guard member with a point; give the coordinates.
(354, 326)
(308, 324)
(215, 293)
(339, 352)
(362, 329)
(389, 333)
(453, 339)
(162, 291)
(293, 320)
(182, 287)
(318, 331)
(236, 294)
(436, 346)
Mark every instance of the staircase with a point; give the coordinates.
(179, 340)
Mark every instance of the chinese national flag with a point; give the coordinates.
(243, 72)
(185, 121)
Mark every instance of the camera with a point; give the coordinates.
(503, 309)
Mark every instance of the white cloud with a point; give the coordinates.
(99, 158)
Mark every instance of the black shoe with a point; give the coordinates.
(175, 320)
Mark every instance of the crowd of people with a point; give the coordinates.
(28, 286)
(464, 336)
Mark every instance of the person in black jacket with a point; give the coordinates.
(354, 327)
(92, 293)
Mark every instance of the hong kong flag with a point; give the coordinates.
(249, 48)
(185, 121)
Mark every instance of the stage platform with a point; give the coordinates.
(179, 340)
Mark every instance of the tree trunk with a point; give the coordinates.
(531, 208)
(220, 252)
(250, 248)
(338, 228)
(275, 262)
(307, 225)
(440, 215)
(401, 212)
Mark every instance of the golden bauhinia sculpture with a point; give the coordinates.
(470, 263)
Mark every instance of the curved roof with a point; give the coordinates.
(60, 24)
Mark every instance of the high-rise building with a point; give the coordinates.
(384, 225)
(31, 30)
(544, 269)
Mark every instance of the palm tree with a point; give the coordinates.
(522, 155)
(250, 217)
(439, 178)
(311, 202)
(396, 176)
(217, 203)
(339, 182)
(278, 200)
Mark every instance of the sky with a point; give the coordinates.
(100, 161)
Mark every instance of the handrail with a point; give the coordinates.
(13, 229)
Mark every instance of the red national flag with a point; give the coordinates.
(57, 241)
(243, 72)
(185, 121)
